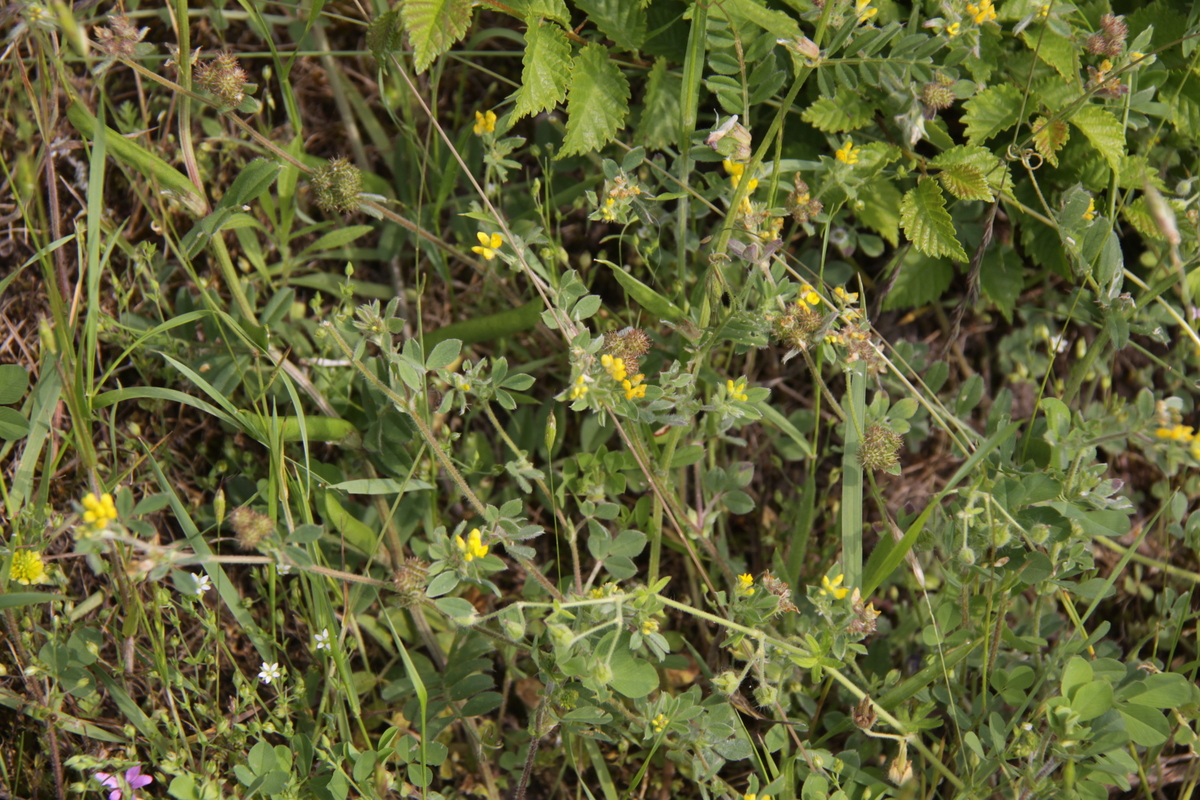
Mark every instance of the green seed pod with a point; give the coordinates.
(551, 431)
(337, 185)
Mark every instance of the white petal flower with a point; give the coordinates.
(323, 640)
(203, 584)
(270, 672)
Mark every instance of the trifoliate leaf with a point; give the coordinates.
(1104, 131)
(546, 71)
(927, 223)
(991, 111)
(659, 125)
(623, 21)
(433, 26)
(597, 102)
(1049, 136)
(965, 182)
(843, 112)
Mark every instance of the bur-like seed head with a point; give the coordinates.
(880, 448)
(224, 77)
(337, 185)
(937, 95)
(1114, 28)
(250, 527)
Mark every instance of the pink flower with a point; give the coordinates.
(133, 777)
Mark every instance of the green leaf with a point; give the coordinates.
(1001, 278)
(13, 424)
(533, 10)
(433, 26)
(1049, 136)
(659, 125)
(1104, 131)
(777, 23)
(1092, 699)
(1161, 690)
(18, 599)
(338, 237)
(14, 379)
(991, 111)
(1055, 49)
(927, 223)
(921, 280)
(966, 183)
(444, 354)
(623, 21)
(1146, 727)
(632, 677)
(646, 297)
(845, 111)
(881, 209)
(546, 71)
(597, 102)
(1139, 216)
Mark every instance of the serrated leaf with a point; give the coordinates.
(981, 159)
(1001, 280)
(921, 280)
(991, 111)
(433, 26)
(623, 21)
(1104, 131)
(965, 182)
(1055, 49)
(1049, 136)
(845, 111)
(534, 10)
(659, 124)
(1137, 215)
(927, 223)
(546, 70)
(385, 34)
(881, 209)
(597, 102)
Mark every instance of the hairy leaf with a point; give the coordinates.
(881, 209)
(1104, 131)
(1049, 136)
(965, 182)
(991, 111)
(597, 102)
(1137, 215)
(845, 111)
(433, 26)
(921, 280)
(1001, 280)
(546, 71)
(927, 223)
(659, 125)
(1056, 50)
(979, 158)
(623, 21)
(534, 10)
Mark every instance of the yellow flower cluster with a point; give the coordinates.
(736, 169)
(660, 723)
(848, 154)
(28, 567)
(809, 295)
(745, 586)
(982, 12)
(1044, 11)
(473, 547)
(844, 297)
(834, 587)
(1090, 214)
(649, 626)
(1177, 433)
(615, 367)
(98, 511)
(864, 10)
(488, 245)
(485, 122)
(580, 388)
(953, 29)
(737, 391)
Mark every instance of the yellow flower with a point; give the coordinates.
(1178, 433)
(808, 295)
(844, 296)
(745, 586)
(98, 511)
(952, 30)
(1090, 214)
(649, 626)
(488, 245)
(1044, 11)
(462, 384)
(834, 587)
(660, 723)
(485, 123)
(864, 10)
(634, 388)
(734, 168)
(983, 12)
(580, 388)
(848, 154)
(473, 547)
(28, 567)
(737, 390)
(615, 367)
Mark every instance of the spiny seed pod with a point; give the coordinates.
(250, 527)
(410, 580)
(937, 95)
(1114, 28)
(1001, 535)
(802, 205)
(880, 448)
(798, 327)
(628, 344)
(337, 185)
(864, 714)
(1096, 44)
(224, 77)
(120, 39)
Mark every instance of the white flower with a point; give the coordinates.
(323, 640)
(284, 569)
(270, 672)
(203, 584)
(1058, 343)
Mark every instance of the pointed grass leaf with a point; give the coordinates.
(646, 297)
(927, 223)
(546, 70)
(597, 102)
(434, 26)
